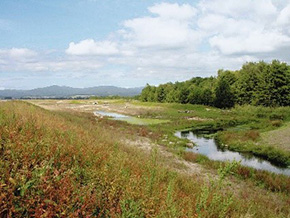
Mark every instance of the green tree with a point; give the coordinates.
(152, 94)
(207, 96)
(256, 83)
(183, 93)
(195, 95)
(228, 75)
(247, 85)
(145, 93)
(279, 79)
(171, 95)
(160, 94)
(224, 98)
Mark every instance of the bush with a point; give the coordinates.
(277, 116)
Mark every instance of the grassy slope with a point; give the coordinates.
(63, 164)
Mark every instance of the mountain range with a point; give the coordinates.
(65, 92)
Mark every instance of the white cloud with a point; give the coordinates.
(243, 27)
(17, 53)
(255, 42)
(152, 32)
(90, 47)
(171, 28)
(284, 16)
(174, 42)
(226, 26)
(235, 9)
(181, 37)
(63, 65)
(22, 59)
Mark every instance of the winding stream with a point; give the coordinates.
(206, 146)
(210, 148)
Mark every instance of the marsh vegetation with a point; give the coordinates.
(68, 162)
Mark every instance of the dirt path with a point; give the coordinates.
(167, 158)
(93, 105)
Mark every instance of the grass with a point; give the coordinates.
(59, 164)
(75, 102)
(279, 138)
(257, 130)
(247, 142)
(261, 178)
(242, 127)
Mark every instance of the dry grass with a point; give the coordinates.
(279, 138)
(252, 135)
(57, 164)
(190, 156)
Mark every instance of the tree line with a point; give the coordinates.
(257, 83)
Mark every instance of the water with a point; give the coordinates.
(111, 114)
(209, 147)
(129, 119)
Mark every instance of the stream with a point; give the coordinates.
(206, 146)
(209, 147)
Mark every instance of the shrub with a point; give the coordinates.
(277, 116)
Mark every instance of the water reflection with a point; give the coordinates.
(110, 114)
(129, 119)
(210, 148)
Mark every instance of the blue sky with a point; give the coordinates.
(84, 43)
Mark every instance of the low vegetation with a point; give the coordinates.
(62, 164)
(242, 128)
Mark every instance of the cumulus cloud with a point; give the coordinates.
(243, 27)
(174, 33)
(255, 42)
(173, 42)
(90, 47)
(171, 28)
(216, 33)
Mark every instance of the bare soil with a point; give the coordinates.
(94, 105)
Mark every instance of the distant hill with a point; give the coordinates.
(65, 91)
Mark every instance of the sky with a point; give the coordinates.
(128, 43)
